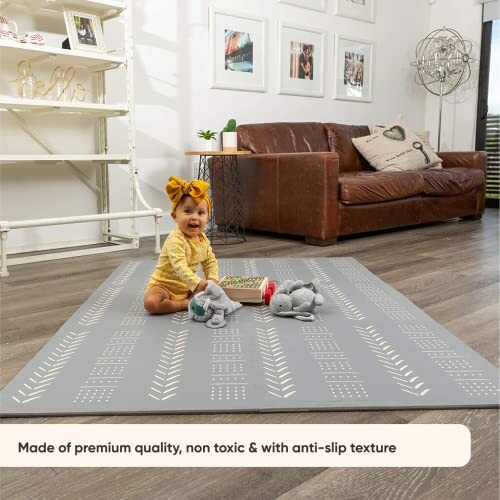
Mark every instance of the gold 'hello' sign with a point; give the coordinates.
(59, 86)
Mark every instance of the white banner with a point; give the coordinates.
(204, 445)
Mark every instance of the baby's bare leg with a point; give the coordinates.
(157, 301)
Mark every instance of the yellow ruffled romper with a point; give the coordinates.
(179, 260)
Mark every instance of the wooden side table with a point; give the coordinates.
(225, 186)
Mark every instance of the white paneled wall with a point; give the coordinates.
(173, 100)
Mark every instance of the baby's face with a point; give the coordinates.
(190, 217)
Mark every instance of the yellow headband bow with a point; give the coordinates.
(177, 188)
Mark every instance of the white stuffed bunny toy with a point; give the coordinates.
(296, 299)
(212, 306)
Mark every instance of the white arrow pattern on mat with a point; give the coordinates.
(47, 372)
(262, 314)
(180, 318)
(343, 303)
(125, 274)
(316, 270)
(101, 305)
(392, 361)
(167, 374)
(282, 270)
(386, 302)
(250, 267)
(279, 381)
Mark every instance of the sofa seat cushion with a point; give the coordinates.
(452, 181)
(357, 188)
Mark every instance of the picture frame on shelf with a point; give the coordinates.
(238, 51)
(363, 10)
(353, 74)
(301, 61)
(319, 5)
(84, 31)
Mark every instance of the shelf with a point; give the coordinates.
(22, 111)
(41, 105)
(90, 60)
(12, 159)
(104, 9)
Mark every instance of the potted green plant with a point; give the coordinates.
(229, 137)
(209, 137)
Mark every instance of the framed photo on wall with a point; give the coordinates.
(301, 56)
(320, 5)
(354, 60)
(237, 51)
(364, 10)
(84, 31)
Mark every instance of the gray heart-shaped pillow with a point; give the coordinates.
(396, 133)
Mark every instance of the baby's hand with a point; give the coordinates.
(201, 286)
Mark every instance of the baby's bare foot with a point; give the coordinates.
(185, 304)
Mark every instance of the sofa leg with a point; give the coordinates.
(472, 217)
(319, 242)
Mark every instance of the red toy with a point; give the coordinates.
(269, 292)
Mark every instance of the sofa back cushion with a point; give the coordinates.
(340, 140)
(293, 137)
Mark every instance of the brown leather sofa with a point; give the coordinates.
(308, 179)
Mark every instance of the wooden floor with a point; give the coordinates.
(450, 270)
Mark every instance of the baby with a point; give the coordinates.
(174, 281)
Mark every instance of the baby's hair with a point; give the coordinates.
(183, 200)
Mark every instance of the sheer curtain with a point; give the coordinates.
(488, 117)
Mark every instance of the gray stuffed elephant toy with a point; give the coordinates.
(212, 306)
(296, 299)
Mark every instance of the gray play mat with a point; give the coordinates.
(368, 348)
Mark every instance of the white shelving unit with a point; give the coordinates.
(104, 9)
(97, 64)
(93, 61)
(97, 110)
(109, 159)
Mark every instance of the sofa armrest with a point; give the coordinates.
(291, 193)
(467, 159)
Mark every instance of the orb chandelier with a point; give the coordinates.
(442, 64)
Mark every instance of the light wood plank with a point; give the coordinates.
(449, 269)
(478, 479)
